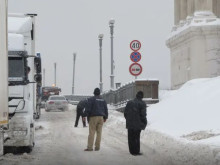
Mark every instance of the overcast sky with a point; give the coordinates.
(68, 26)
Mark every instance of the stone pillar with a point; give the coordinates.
(176, 11)
(203, 5)
(183, 9)
(217, 8)
(190, 7)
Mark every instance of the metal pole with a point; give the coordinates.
(111, 25)
(44, 77)
(55, 72)
(74, 62)
(100, 51)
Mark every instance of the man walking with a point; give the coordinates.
(97, 112)
(136, 120)
(79, 112)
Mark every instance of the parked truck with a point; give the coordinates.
(3, 71)
(24, 76)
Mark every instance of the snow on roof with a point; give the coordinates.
(200, 18)
(15, 42)
(19, 24)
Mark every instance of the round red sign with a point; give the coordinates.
(135, 45)
(135, 56)
(135, 69)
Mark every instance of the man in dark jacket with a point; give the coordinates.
(136, 120)
(79, 112)
(97, 112)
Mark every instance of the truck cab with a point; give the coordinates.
(24, 76)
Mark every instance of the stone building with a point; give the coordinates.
(194, 41)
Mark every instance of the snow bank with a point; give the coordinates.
(184, 126)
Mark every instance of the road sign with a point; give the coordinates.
(135, 56)
(135, 69)
(135, 45)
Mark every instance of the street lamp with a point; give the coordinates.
(111, 25)
(100, 51)
(74, 62)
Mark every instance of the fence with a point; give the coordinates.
(120, 96)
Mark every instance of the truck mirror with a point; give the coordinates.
(38, 78)
(37, 62)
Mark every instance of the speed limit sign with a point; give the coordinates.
(135, 45)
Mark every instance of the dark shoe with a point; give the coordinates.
(138, 154)
(75, 126)
(84, 126)
(97, 149)
(88, 149)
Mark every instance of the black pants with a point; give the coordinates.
(134, 141)
(77, 120)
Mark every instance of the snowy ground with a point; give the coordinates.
(183, 129)
(58, 142)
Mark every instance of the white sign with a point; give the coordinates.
(135, 45)
(135, 69)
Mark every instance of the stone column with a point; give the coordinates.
(217, 8)
(183, 9)
(203, 5)
(176, 11)
(190, 7)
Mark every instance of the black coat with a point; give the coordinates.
(135, 114)
(81, 106)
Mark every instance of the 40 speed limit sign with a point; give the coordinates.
(135, 45)
(135, 69)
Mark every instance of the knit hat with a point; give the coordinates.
(96, 91)
(140, 95)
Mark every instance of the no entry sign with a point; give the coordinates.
(135, 45)
(135, 56)
(135, 69)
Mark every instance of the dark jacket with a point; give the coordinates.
(81, 106)
(135, 114)
(97, 106)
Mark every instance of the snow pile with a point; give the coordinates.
(188, 121)
(184, 125)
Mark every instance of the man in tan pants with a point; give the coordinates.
(97, 112)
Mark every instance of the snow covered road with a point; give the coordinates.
(58, 142)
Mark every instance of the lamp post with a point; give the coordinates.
(111, 25)
(74, 61)
(55, 74)
(44, 77)
(100, 52)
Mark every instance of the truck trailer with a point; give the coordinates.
(3, 71)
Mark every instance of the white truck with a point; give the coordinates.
(24, 75)
(3, 71)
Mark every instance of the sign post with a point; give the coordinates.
(135, 68)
